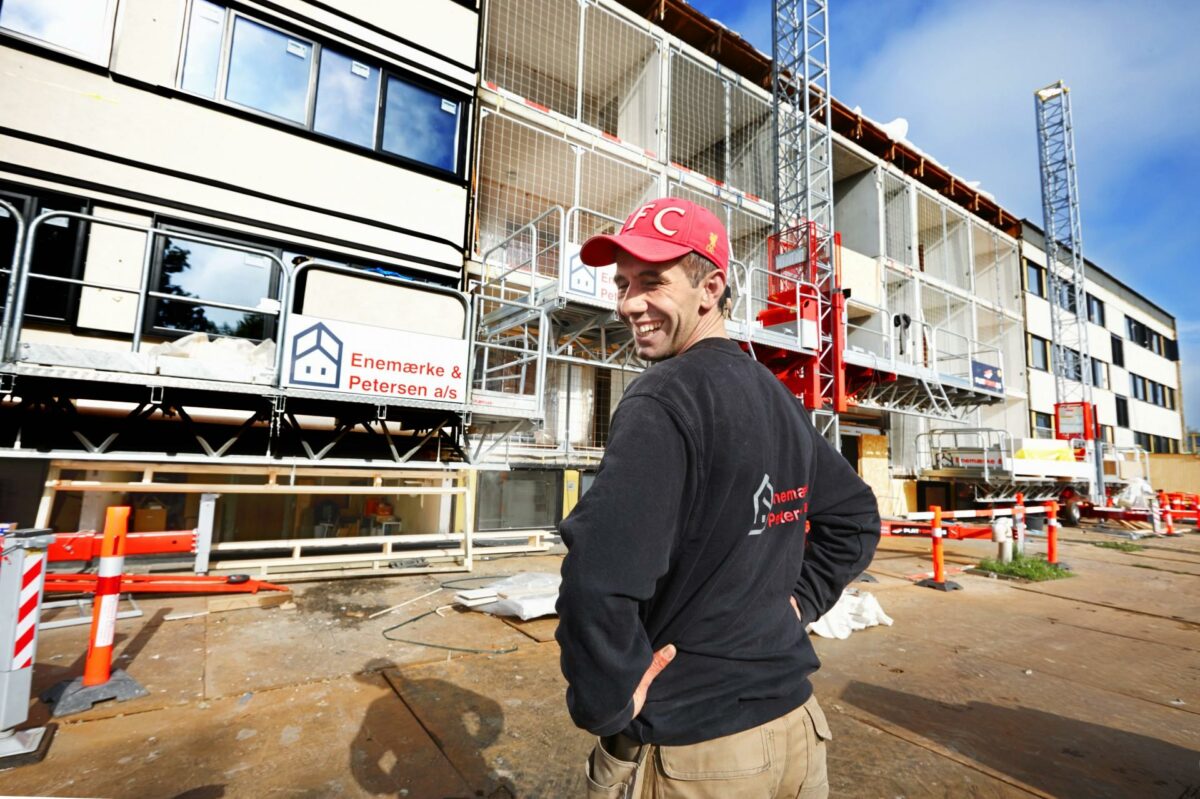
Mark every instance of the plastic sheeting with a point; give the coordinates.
(855, 610)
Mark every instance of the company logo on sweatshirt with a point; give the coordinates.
(792, 504)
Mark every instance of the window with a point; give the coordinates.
(1095, 310)
(1043, 425)
(1122, 412)
(57, 251)
(346, 99)
(1064, 294)
(1142, 440)
(1137, 387)
(1039, 357)
(1072, 366)
(209, 272)
(317, 88)
(421, 125)
(202, 61)
(1099, 373)
(1137, 332)
(1106, 433)
(79, 27)
(1118, 351)
(1035, 279)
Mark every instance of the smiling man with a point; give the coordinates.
(719, 524)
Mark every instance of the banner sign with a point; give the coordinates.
(591, 284)
(988, 378)
(393, 365)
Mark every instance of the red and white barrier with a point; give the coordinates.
(22, 573)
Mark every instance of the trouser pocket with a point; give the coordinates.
(610, 777)
(732, 766)
(816, 782)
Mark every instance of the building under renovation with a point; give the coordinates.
(305, 278)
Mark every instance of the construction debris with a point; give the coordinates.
(527, 595)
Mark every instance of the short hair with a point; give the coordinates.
(697, 267)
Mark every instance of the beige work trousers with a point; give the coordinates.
(782, 759)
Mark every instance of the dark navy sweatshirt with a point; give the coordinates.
(694, 534)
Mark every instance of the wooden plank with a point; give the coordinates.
(263, 599)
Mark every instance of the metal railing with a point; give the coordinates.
(986, 448)
(279, 306)
(14, 308)
(525, 266)
(11, 270)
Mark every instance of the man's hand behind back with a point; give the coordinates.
(661, 658)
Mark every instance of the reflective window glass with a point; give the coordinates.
(269, 70)
(80, 26)
(210, 272)
(203, 56)
(347, 93)
(421, 124)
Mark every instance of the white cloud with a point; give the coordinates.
(965, 79)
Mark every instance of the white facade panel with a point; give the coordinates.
(140, 142)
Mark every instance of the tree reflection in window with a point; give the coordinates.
(208, 272)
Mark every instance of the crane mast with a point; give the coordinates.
(1065, 272)
(803, 225)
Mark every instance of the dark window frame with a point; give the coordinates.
(1036, 343)
(387, 71)
(1118, 351)
(1040, 273)
(30, 202)
(1122, 410)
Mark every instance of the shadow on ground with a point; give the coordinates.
(1059, 755)
(479, 724)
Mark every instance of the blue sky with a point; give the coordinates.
(963, 74)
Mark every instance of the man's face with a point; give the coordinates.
(660, 305)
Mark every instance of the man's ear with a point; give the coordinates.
(713, 286)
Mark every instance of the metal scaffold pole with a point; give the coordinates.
(804, 176)
(1065, 269)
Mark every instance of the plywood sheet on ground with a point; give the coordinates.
(351, 737)
(540, 630)
(502, 721)
(165, 657)
(1096, 656)
(330, 633)
(1096, 743)
(1172, 596)
(866, 761)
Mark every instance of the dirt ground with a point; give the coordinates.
(1085, 687)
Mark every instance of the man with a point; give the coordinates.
(690, 576)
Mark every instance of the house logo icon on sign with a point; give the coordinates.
(316, 357)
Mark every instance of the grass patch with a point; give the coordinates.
(1026, 568)
(1124, 546)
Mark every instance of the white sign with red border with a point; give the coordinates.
(393, 365)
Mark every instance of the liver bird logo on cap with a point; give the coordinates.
(712, 244)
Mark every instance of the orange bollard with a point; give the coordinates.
(939, 559)
(99, 682)
(97, 669)
(1052, 532)
(1167, 517)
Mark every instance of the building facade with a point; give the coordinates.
(301, 181)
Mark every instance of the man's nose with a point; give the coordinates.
(631, 304)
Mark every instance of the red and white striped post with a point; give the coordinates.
(22, 574)
(99, 682)
(97, 668)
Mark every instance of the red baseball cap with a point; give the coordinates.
(663, 230)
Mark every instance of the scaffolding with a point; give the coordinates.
(804, 224)
(1063, 233)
